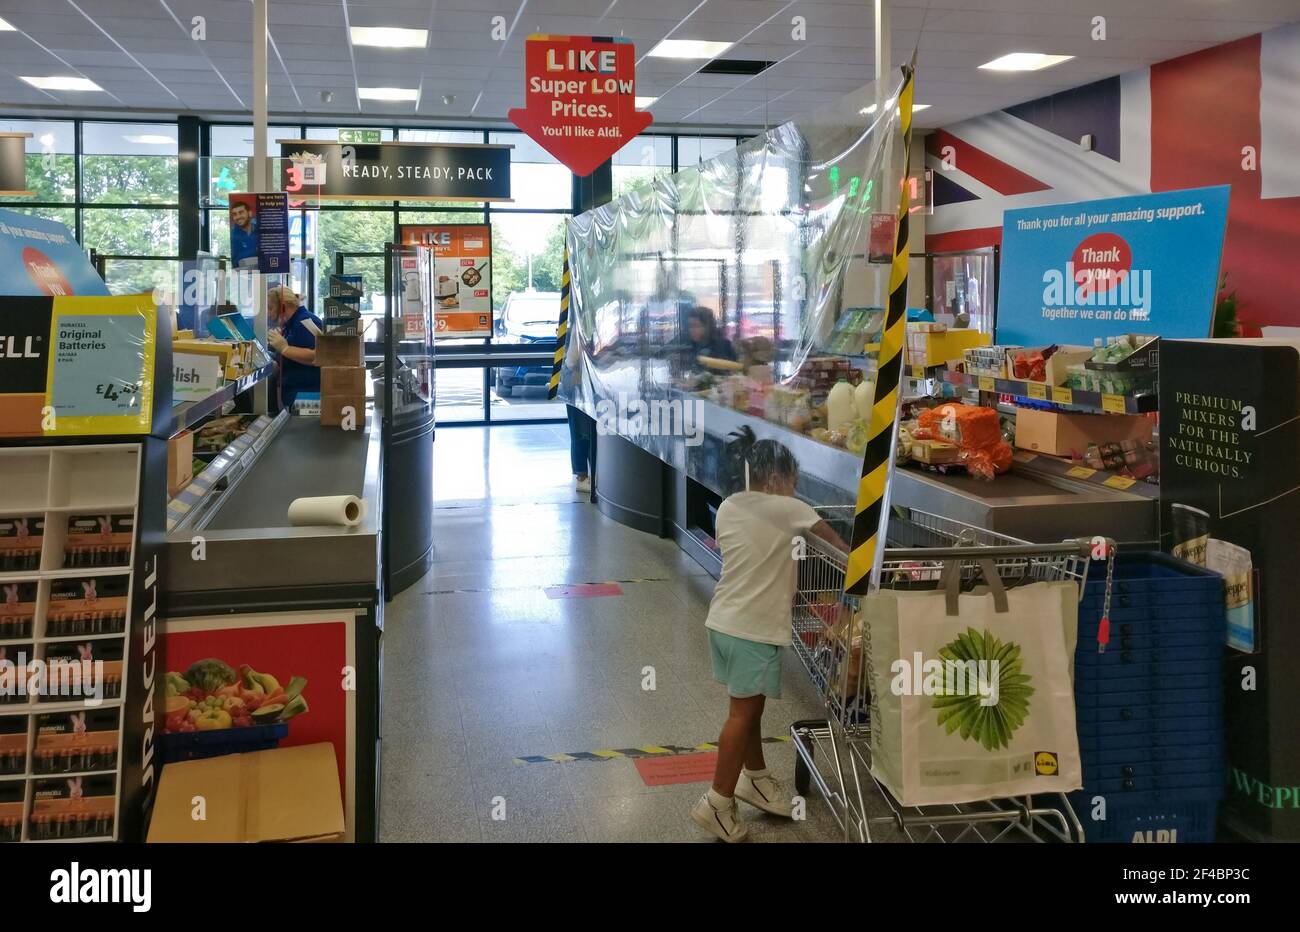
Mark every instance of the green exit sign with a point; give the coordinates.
(363, 137)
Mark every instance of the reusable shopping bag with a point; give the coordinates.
(972, 693)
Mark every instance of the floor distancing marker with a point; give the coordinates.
(649, 750)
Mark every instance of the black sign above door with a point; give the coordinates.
(395, 171)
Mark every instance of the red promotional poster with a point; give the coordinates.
(580, 98)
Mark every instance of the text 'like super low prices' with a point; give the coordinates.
(580, 98)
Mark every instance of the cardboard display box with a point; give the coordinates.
(342, 380)
(286, 794)
(1062, 434)
(180, 462)
(332, 409)
(337, 350)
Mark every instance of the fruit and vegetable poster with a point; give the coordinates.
(462, 275)
(1144, 264)
(253, 682)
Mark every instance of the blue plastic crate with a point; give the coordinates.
(1152, 739)
(1154, 784)
(1095, 716)
(1199, 727)
(1177, 755)
(1211, 764)
(1187, 821)
(197, 745)
(1202, 686)
(1146, 694)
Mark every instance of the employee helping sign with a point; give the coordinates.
(580, 98)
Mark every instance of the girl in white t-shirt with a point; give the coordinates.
(749, 622)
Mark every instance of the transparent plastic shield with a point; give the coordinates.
(739, 293)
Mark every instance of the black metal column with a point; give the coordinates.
(189, 133)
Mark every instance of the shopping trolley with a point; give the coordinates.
(835, 753)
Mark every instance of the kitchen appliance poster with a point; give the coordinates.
(580, 98)
(1143, 264)
(462, 275)
(237, 670)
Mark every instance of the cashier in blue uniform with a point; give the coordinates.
(294, 342)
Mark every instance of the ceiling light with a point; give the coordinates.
(151, 140)
(689, 48)
(62, 83)
(1024, 61)
(867, 111)
(5, 26)
(388, 93)
(390, 37)
(643, 102)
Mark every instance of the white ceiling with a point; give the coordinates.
(141, 53)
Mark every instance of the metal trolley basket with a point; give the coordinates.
(835, 753)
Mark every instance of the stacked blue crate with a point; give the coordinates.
(1150, 708)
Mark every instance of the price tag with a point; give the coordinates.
(1024, 456)
(1119, 482)
(1113, 404)
(1080, 472)
(1062, 395)
(986, 383)
(1037, 390)
(918, 372)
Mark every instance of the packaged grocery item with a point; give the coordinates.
(75, 670)
(13, 749)
(1134, 458)
(976, 431)
(839, 406)
(11, 806)
(20, 543)
(1066, 434)
(864, 396)
(15, 675)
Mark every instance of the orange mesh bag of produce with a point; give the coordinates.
(976, 432)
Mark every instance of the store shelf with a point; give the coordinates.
(34, 575)
(224, 471)
(1050, 466)
(189, 413)
(1057, 396)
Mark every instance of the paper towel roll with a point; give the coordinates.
(333, 510)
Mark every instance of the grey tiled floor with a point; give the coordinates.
(480, 667)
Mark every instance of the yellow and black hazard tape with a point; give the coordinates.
(602, 582)
(877, 461)
(562, 331)
(649, 750)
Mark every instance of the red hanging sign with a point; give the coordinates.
(580, 98)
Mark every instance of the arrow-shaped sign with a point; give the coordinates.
(580, 98)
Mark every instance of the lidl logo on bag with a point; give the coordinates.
(1045, 764)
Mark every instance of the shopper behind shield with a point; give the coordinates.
(750, 621)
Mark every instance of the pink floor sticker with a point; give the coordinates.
(584, 590)
(677, 768)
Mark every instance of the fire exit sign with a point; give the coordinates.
(360, 137)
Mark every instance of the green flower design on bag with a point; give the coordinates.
(985, 695)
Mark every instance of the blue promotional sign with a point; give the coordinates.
(1144, 264)
(259, 232)
(42, 257)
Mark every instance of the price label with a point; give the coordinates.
(1119, 482)
(918, 372)
(986, 383)
(1037, 390)
(1080, 472)
(1114, 404)
(1062, 395)
(1024, 456)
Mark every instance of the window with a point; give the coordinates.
(129, 163)
(692, 150)
(642, 160)
(537, 180)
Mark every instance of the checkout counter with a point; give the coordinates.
(245, 587)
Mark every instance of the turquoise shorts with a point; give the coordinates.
(747, 667)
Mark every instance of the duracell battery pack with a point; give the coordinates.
(76, 669)
(75, 742)
(73, 807)
(13, 746)
(12, 793)
(17, 610)
(20, 655)
(86, 606)
(20, 543)
(98, 540)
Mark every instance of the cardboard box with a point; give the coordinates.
(342, 380)
(286, 794)
(1057, 366)
(338, 350)
(1063, 434)
(332, 410)
(180, 462)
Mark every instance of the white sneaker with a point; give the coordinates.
(765, 792)
(723, 823)
(583, 485)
